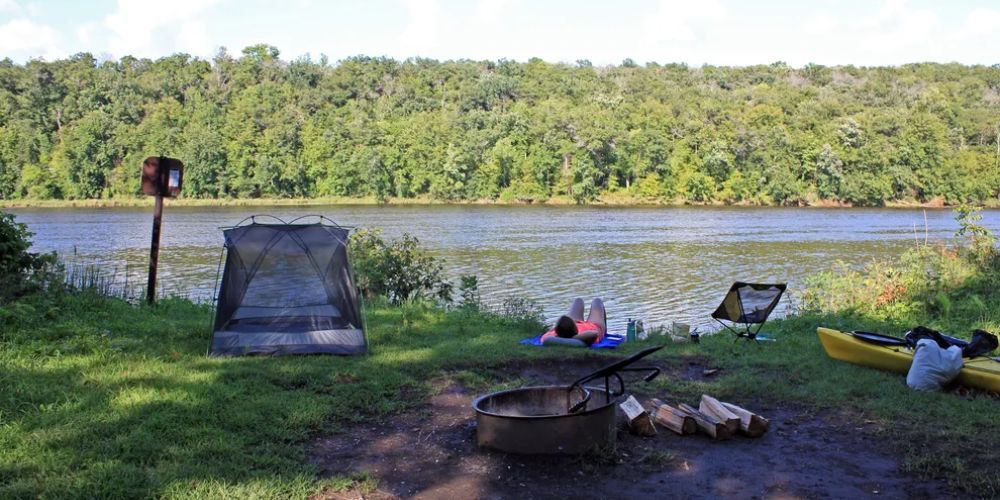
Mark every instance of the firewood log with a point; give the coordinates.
(672, 418)
(712, 406)
(639, 421)
(708, 424)
(751, 424)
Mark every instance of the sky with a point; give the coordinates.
(719, 32)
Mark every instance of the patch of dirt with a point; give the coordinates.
(432, 453)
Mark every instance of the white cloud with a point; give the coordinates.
(897, 26)
(491, 11)
(891, 32)
(153, 29)
(85, 33)
(682, 21)
(24, 37)
(193, 37)
(890, 10)
(982, 21)
(420, 36)
(691, 31)
(822, 24)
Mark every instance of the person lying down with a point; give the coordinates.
(572, 330)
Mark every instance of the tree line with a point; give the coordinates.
(256, 126)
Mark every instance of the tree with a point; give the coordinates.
(257, 126)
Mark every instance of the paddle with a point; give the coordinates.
(879, 339)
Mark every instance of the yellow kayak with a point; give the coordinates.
(981, 372)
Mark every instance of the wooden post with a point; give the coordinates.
(154, 250)
(161, 176)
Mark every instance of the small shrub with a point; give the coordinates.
(700, 187)
(981, 238)
(527, 191)
(400, 270)
(468, 291)
(953, 287)
(521, 311)
(21, 271)
(650, 186)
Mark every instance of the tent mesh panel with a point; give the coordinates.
(283, 283)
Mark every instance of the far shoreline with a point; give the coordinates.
(604, 201)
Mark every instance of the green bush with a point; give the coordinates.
(981, 238)
(524, 313)
(21, 271)
(524, 191)
(650, 186)
(399, 270)
(468, 292)
(700, 187)
(950, 288)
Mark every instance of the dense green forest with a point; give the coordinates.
(256, 126)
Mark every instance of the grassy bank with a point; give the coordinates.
(101, 398)
(607, 200)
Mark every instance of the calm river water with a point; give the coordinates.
(660, 264)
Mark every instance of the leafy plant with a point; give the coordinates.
(968, 218)
(399, 269)
(468, 291)
(523, 312)
(21, 271)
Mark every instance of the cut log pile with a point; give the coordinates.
(718, 419)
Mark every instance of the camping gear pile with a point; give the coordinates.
(287, 288)
(568, 419)
(938, 354)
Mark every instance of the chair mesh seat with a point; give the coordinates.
(748, 304)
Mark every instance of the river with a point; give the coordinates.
(659, 264)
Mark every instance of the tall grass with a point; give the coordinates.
(954, 288)
(99, 279)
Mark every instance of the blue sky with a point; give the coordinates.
(730, 32)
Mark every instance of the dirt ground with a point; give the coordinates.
(432, 453)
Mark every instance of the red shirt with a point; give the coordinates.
(581, 327)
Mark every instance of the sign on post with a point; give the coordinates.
(161, 176)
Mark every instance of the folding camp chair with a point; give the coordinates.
(748, 304)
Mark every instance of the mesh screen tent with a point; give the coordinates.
(748, 304)
(287, 288)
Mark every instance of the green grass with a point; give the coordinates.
(99, 398)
